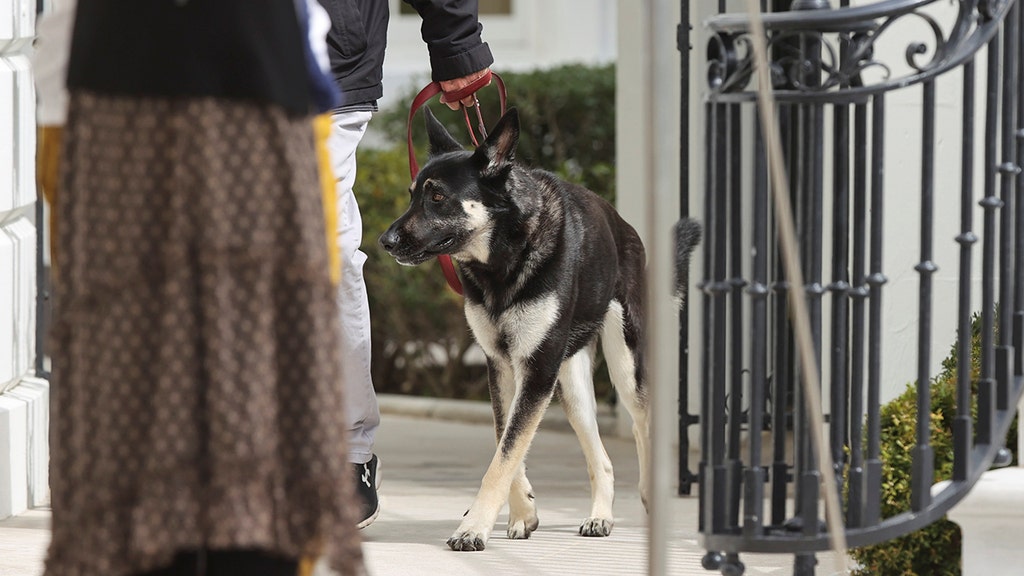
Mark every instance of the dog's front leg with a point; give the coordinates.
(522, 506)
(528, 405)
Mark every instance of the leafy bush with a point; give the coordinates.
(935, 549)
(421, 342)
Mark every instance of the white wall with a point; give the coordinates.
(23, 400)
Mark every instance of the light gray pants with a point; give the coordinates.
(361, 411)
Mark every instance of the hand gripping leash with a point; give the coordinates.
(424, 96)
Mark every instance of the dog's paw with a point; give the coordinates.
(520, 529)
(467, 541)
(596, 527)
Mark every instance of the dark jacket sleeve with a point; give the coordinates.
(451, 30)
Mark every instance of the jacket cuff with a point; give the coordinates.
(462, 64)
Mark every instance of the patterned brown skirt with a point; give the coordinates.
(196, 401)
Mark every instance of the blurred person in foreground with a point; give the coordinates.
(196, 409)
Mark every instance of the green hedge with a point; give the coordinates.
(935, 549)
(419, 334)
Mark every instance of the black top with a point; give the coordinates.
(359, 36)
(241, 49)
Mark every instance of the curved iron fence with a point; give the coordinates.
(832, 71)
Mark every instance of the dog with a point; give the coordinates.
(548, 269)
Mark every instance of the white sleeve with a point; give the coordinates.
(50, 61)
(319, 26)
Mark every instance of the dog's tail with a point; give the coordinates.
(687, 236)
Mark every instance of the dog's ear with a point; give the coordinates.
(499, 149)
(440, 140)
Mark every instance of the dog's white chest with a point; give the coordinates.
(519, 331)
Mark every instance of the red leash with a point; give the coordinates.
(428, 92)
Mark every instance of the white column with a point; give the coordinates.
(23, 399)
(632, 150)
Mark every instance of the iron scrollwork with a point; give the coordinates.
(827, 54)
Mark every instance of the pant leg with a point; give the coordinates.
(361, 411)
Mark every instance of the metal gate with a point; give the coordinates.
(833, 68)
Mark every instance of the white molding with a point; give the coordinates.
(24, 401)
(23, 235)
(8, 145)
(8, 334)
(24, 447)
(24, 130)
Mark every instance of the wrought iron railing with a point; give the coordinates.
(832, 69)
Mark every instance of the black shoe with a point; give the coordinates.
(367, 481)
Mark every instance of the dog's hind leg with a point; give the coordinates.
(626, 374)
(577, 391)
(522, 507)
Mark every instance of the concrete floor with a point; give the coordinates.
(431, 468)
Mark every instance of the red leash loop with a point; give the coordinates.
(424, 96)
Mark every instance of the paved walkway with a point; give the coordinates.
(431, 468)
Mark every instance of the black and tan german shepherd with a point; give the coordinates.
(548, 267)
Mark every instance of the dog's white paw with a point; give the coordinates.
(520, 529)
(596, 527)
(467, 541)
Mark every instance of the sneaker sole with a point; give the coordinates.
(369, 520)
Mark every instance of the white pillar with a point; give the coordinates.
(633, 149)
(23, 399)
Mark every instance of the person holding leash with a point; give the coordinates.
(356, 44)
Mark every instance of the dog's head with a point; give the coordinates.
(454, 199)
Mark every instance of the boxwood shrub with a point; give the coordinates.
(935, 549)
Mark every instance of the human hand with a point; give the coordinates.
(449, 86)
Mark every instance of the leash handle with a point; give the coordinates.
(467, 90)
(424, 96)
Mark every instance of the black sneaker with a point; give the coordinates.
(367, 481)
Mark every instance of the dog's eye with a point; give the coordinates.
(434, 190)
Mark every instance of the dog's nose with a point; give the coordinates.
(388, 239)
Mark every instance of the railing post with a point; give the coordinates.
(962, 424)
(686, 478)
(923, 470)
(875, 280)
(753, 481)
(1008, 170)
(1018, 133)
